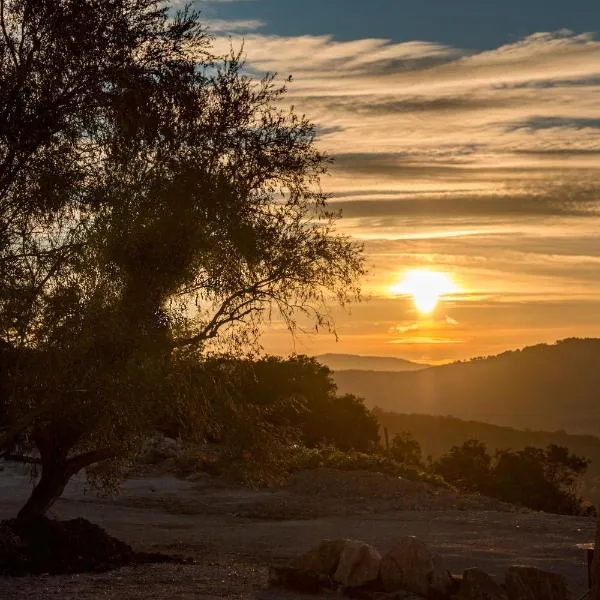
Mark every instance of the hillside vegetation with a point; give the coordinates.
(436, 435)
(544, 387)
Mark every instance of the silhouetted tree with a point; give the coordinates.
(467, 466)
(541, 479)
(302, 396)
(405, 449)
(69, 72)
(161, 205)
(351, 425)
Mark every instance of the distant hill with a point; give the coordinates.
(549, 387)
(344, 362)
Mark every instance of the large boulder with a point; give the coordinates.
(324, 559)
(411, 565)
(478, 585)
(358, 566)
(529, 583)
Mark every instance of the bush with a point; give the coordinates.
(467, 466)
(300, 394)
(540, 479)
(302, 458)
(406, 450)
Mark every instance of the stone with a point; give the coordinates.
(529, 583)
(323, 559)
(478, 585)
(358, 566)
(411, 565)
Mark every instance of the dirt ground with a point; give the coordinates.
(233, 534)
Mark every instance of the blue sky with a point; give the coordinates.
(466, 139)
(474, 24)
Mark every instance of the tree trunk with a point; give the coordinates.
(47, 490)
(56, 472)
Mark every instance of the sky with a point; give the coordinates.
(466, 139)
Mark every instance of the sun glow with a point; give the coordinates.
(426, 288)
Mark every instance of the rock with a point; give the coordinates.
(411, 565)
(323, 559)
(529, 583)
(358, 566)
(478, 585)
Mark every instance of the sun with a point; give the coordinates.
(426, 288)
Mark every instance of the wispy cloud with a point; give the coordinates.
(233, 26)
(485, 164)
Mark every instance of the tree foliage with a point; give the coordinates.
(405, 449)
(300, 395)
(156, 203)
(467, 466)
(541, 479)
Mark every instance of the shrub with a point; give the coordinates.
(311, 458)
(541, 479)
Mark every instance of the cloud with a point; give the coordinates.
(483, 164)
(424, 340)
(233, 26)
(322, 56)
(472, 207)
(537, 123)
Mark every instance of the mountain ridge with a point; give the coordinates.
(345, 362)
(546, 386)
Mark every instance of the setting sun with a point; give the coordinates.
(426, 287)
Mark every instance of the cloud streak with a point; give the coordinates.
(484, 164)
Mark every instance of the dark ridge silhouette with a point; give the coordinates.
(549, 387)
(344, 362)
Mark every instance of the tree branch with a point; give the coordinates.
(75, 464)
(7, 39)
(210, 330)
(25, 460)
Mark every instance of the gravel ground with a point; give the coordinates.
(233, 534)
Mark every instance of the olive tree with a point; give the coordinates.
(171, 207)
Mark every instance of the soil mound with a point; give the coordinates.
(392, 493)
(42, 545)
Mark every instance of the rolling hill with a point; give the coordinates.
(344, 362)
(550, 387)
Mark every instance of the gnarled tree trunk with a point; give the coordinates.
(48, 489)
(57, 470)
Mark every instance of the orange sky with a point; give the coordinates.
(480, 164)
